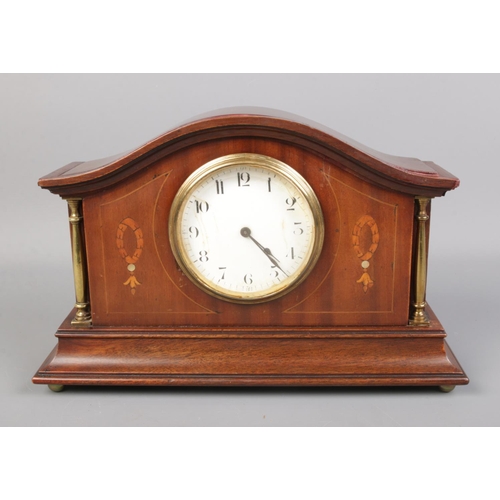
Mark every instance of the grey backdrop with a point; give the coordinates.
(47, 121)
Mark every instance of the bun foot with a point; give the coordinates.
(56, 387)
(446, 388)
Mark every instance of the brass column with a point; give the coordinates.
(82, 316)
(420, 317)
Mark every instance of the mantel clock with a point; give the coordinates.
(250, 247)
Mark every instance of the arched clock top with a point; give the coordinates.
(401, 174)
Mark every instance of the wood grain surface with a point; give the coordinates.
(330, 295)
(223, 357)
(408, 175)
(346, 324)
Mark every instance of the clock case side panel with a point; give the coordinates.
(156, 292)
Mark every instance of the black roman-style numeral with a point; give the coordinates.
(298, 230)
(201, 206)
(223, 269)
(291, 202)
(243, 179)
(219, 186)
(275, 273)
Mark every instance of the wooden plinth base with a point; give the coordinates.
(376, 356)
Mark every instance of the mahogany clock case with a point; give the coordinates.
(140, 321)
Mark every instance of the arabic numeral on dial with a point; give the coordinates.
(193, 232)
(298, 230)
(291, 253)
(201, 206)
(203, 255)
(243, 179)
(223, 269)
(219, 186)
(274, 274)
(269, 184)
(248, 279)
(291, 202)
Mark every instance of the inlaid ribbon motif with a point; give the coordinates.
(130, 260)
(365, 257)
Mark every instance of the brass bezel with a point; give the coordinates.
(255, 160)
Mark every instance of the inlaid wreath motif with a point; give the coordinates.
(365, 257)
(130, 260)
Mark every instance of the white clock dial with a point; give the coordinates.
(246, 228)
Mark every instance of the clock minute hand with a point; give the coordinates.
(269, 255)
(265, 250)
(246, 233)
(274, 261)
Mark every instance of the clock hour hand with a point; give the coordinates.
(246, 233)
